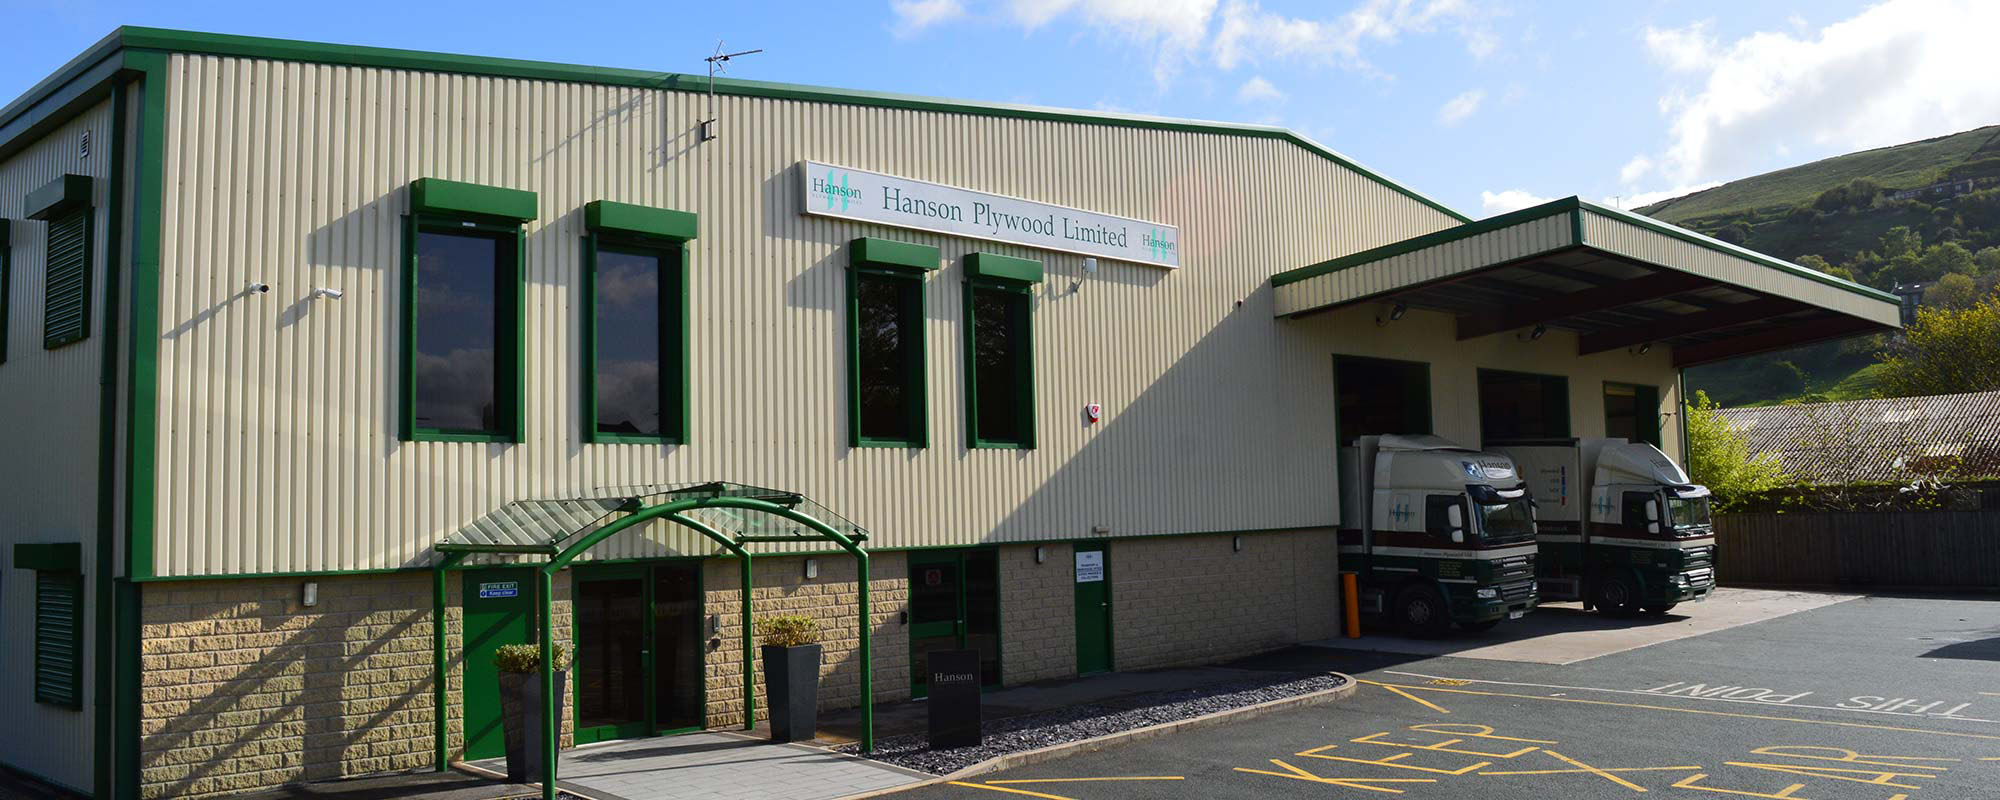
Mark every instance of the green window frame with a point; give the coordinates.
(58, 654)
(451, 207)
(1554, 397)
(1006, 283)
(653, 232)
(1645, 410)
(65, 205)
(903, 266)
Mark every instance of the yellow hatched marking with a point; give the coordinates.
(1852, 757)
(1440, 747)
(1606, 769)
(1353, 783)
(1010, 791)
(1479, 731)
(1595, 771)
(1880, 779)
(1788, 793)
(1425, 703)
(1081, 780)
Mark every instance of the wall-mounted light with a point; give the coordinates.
(1396, 312)
(1536, 334)
(309, 594)
(1041, 553)
(1100, 530)
(1645, 348)
(812, 568)
(1236, 544)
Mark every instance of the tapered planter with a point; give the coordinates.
(521, 715)
(791, 686)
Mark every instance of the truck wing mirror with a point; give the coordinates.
(1652, 516)
(1454, 516)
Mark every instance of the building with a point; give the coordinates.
(289, 322)
(1884, 440)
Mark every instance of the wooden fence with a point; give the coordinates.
(1897, 549)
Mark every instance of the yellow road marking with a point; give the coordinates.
(1690, 781)
(1011, 791)
(1426, 703)
(1450, 682)
(1851, 757)
(1880, 779)
(1991, 694)
(1595, 771)
(1079, 780)
(1353, 783)
(1606, 769)
(1700, 711)
(1483, 732)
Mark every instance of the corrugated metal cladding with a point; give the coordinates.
(1624, 238)
(279, 448)
(1953, 436)
(1427, 264)
(49, 422)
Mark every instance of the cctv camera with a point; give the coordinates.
(259, 288)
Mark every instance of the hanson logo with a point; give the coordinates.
(1157, 244)
(834, 188)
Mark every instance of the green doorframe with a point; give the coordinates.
(957, 556)
(646, 571)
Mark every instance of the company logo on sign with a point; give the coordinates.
(1158, 245)
(834, 188)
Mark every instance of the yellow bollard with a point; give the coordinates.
(1350, 600)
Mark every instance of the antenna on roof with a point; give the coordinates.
(715, 65)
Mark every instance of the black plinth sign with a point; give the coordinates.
(954, 698)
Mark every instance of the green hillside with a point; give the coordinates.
(1856, 217)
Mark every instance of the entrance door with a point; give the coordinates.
(499, 608)
(638, 645)
(1093, 609)
(954, 605)
(1515, 406)
(1377, 396)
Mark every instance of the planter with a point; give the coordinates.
(521, 715)
(791, 687)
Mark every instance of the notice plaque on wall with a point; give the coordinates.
(499, 589)
(831, 191)
(954, 697)
(1089, 566)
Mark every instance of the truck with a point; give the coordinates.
(1621, 527)
(1435, 534)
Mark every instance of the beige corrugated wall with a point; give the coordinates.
(278, 448)
(49, 422)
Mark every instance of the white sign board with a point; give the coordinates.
(1089, 566)
(830, 191)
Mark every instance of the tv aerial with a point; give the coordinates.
(716, 63)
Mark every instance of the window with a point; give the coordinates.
(58, 642)
(885, 310)
(65, 205)
(1437, 513)
(1635, 510)
(999, 351)
(1515, 406)
(461, 312)
(1375, 396)
(1632, 412)
(636, 324)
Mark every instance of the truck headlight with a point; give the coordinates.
(1488, 594)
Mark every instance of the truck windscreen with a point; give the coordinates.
(1507, 520)
(1688, 513)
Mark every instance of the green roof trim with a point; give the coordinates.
(6, 231)
(1005, 268)
(652, 223)
(51, 557)
(891, 253)
(437, 196)
(353, 55)
(1575, 206)
(57, 196)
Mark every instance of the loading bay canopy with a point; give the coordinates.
(1616, 279)
(732, 515)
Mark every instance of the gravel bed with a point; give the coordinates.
(1076, 723)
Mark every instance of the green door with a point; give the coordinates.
(1093, 609)
(954, 605)
(499, 609)
(638, 650)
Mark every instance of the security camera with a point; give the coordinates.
(330, 294)
(259, 288)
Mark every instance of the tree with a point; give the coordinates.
(1901, 241)
(1783, 377)
(1719, 459)
(1945, 352)
(1842, 273)
(1815, 263)
(1943, 259)
(1987, 261)
(1953, 291)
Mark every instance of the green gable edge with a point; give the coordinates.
(437, 196)
(55, 557)
(891, 253)
(625, 218)
(354, 55)
(1006, 268)
(57, 196)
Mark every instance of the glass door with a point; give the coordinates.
(954, 605)
(679, 702)
(612, 654)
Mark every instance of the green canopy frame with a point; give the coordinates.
(562, 530)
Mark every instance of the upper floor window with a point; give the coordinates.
(999, 350)
(65, 204)
(462, 312)
(885, 312)
(635, 333)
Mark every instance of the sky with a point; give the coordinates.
(1484, 105)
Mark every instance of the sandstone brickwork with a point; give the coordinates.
(1178, 600)
(1037, 613)
(780, 587)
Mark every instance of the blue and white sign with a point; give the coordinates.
(830, 191)
(489, 591)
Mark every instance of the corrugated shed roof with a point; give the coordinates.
(1895, 439)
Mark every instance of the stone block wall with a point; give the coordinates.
(1037, 613)
(1183, 600)
(781, 588)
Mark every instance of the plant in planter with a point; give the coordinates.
(520, 668)
(791, 676)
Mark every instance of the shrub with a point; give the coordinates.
(790, 630)
(527, 657)
(1719, 458)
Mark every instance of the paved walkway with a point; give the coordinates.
(716, 765)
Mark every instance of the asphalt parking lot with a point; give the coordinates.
(1873, 698)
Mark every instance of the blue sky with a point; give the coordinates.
(1485, 105)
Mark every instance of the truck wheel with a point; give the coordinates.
(1479, 627)
(1617, 594)
(1421, 612)
(1660, 610)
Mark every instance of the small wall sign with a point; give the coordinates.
(489, 591)
(1089, 566)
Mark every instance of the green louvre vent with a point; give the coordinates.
(59, 638)
(66, 282)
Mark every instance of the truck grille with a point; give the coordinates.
(1700, 578)
(1523, 590)
(1516, 568)
(1702, 557)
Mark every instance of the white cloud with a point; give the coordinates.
(1507, 200)
(1174, 29)
(1898, 71)
(1258, 90)
(1248, 33)
(1635, 169)
(915, 15)
(1455, 110)
(1640, 199)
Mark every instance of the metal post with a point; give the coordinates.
(551, 727)
(437, 664)
(867, 662)
(749, 656)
